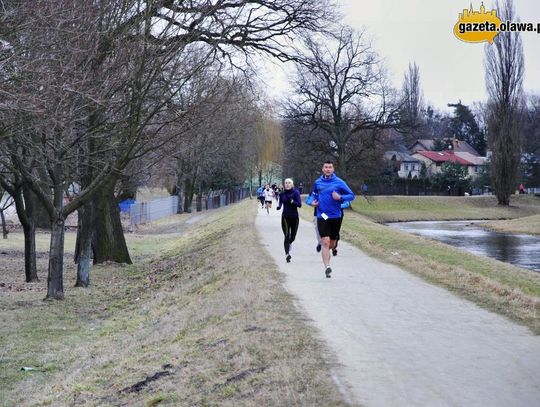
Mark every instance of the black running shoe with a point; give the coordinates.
(334, 252)
(318, 248)
(288, 258)
(328, 271)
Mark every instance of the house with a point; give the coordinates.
(463, 147)
(408, 165)
(477, 162)
(452, 144)
(435, 159)
(421, 145)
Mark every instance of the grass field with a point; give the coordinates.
(191, 323)
(494, 285)
(410, 208)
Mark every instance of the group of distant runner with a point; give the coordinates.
(329, 196)
(267, 194)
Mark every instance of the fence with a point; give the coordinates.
(142, 212)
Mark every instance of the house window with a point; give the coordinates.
(406, 167)
(475, 169)
(413, 167)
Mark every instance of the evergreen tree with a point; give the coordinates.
(465, 127)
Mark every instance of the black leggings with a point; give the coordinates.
(289, 227)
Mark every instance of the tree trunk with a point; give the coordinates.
(55, 279)
(83, 246)
(342, 166)
(30, 268)
(4, 226)
(188, 197)
(108, 240)
(40, 215)
(25, 213)
(179, 187)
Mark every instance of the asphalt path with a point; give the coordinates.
(400, 341)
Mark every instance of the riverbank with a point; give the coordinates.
(201, 318)
(528, 225)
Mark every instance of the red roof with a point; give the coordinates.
(444, 156)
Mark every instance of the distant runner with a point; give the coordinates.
(268, 196)
(329, 192)
(260, 196)
(291, 201)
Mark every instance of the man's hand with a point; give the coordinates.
(315, 203)
(336, 196)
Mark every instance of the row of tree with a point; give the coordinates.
(90, 88)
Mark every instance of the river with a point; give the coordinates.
(521, 250)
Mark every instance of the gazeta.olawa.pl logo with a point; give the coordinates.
(482, 25)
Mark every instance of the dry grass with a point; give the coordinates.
(202, 321)
(528, 225)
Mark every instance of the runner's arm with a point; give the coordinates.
(297, 200)
(346, 193)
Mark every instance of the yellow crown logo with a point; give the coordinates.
(477, 26)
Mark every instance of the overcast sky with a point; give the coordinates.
(422, 31)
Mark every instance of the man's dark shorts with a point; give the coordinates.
(329, 227)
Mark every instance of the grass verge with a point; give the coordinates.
(201, 319)
(529, 225)
(410, 208)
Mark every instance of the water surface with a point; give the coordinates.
(521, 250)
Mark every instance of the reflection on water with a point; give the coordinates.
(521, 250)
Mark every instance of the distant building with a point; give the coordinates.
(406, 163)
(422, 145)
(464, 147)
(451, 144)
(476, 162)
(435, 159)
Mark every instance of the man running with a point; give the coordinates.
(329, 192)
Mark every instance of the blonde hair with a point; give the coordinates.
(289, 180)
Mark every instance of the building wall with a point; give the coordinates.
(413, 168)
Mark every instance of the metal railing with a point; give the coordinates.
(143, 212)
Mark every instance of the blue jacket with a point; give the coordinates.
(291, 201)
(322, 192)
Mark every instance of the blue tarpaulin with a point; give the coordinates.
(125, 204)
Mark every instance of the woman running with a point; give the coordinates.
(291, 201)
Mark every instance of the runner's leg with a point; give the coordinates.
(286, 233)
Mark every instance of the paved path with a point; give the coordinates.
(401, 341)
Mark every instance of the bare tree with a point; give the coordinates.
(504, 66)
(96, 80)
(412, 105)
(5, 203)
(341, 89)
